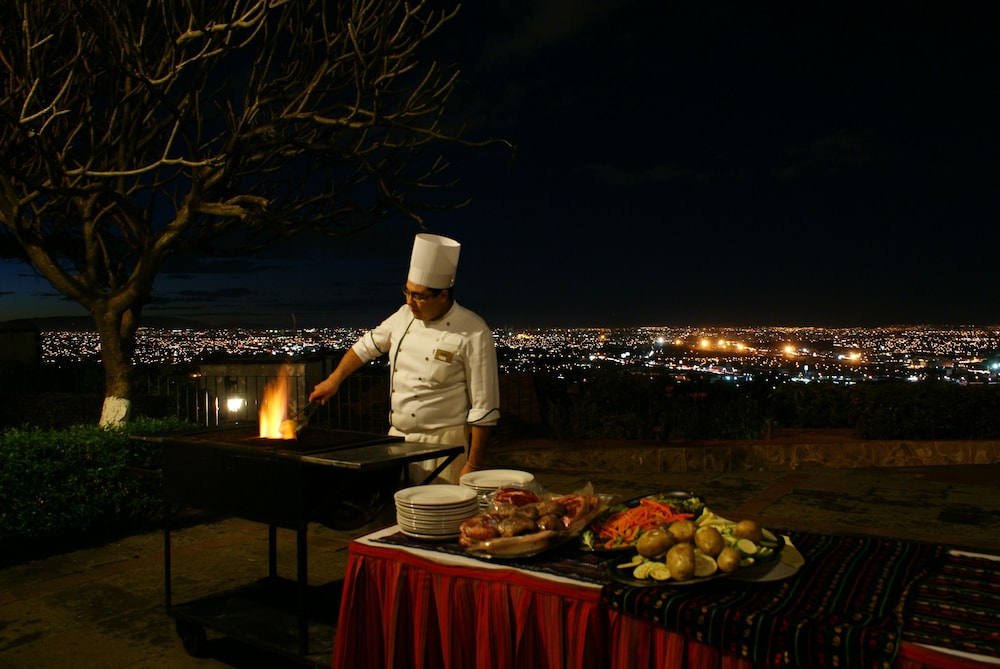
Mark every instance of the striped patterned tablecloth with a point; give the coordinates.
(956, 606)
(852, 604)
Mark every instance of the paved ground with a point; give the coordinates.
(104, 607)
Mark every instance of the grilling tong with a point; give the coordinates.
(301, 417)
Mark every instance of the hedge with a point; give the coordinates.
(635, 406)
(64, 487)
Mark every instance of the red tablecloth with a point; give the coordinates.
(422, 610)
(399, 610)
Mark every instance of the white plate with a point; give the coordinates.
(434, 496)
(436, 511)
(458, 516)
(788, 565)
(488, 479)
(437, 508)
(413, 522)
(445, 529)
(776, 571)
(430, 537)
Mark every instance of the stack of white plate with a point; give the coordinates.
(434, 512)
(485, 481)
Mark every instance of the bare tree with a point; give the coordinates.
(134, 130)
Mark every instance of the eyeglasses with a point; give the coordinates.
(419, 297)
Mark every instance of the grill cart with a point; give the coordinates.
(339, 478)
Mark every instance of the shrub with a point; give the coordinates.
(929, 411)
(721, 412)
(626, 405)
(815, 406)
(621, 405)
(60, 487)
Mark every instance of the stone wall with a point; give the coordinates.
(735, 456)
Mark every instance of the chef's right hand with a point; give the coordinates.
(323, 391)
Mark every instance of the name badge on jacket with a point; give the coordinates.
(443, 356)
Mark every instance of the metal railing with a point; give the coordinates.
(362, 404)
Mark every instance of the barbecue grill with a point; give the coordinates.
(340, 478)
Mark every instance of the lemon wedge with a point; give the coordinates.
(659, 572)
(704, 565)
(746, 547)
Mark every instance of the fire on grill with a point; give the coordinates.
(278, 473)
(274, 420)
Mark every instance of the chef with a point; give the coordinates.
(443, 381)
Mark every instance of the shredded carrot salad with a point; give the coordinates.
(623, 528)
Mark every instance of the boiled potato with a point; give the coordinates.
(654, 542)
(680, 561)
(709, 540)
(729, 559)
(683, 530)
(747, 529)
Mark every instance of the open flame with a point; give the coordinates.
(274, 423)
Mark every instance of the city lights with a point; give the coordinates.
(834, 355)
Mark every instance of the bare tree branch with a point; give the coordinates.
(134, 130)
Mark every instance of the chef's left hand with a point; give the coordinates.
(466, 469)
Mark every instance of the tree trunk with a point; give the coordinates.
(117, 331)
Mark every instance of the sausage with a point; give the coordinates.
(550, 507)
(505, 509)
(527, 544)
(551, 522)
(481, 527)
(529, 510)
(515, 525)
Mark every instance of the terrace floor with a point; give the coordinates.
(103, 606)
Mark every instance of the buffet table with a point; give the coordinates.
(424, 605)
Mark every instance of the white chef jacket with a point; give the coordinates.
(442, 376)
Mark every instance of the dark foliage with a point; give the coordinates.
(61, 488)
(623, 405)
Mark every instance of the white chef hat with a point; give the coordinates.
(434, 261)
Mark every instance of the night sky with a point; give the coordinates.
(699, 163)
